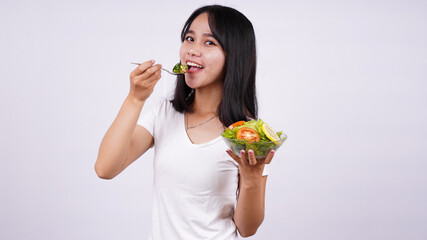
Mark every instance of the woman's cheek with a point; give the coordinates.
(182, 52)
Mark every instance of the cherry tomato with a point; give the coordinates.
(236, 124)
(249, 134)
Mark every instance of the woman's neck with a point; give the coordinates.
(206, 101)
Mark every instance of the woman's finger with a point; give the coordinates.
(150, 75)
(141, 68)
(233, 156)
(151, 70)
(153, 78)
(269, 157)
(243, 159)
(252, 159)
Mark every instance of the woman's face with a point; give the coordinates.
(202, 53)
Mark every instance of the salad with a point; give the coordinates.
(255, 135)
(180, 68)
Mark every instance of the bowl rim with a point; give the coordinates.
(284, 136)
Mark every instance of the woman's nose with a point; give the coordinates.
(193, 52)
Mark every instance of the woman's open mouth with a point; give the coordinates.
(193, 67)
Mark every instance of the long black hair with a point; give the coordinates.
(235, 34)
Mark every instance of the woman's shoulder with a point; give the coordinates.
(163, 107)
(158, 104)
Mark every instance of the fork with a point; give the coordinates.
(162, 69)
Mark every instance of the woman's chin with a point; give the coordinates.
(192, 83)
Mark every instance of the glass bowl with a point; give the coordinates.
(261, 149)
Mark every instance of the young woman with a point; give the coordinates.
(201, 189)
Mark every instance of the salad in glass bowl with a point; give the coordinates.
(255, 135)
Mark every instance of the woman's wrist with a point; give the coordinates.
(253, 182)
(134, 101)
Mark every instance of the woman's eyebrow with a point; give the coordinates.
(208, 35)
(204, 34)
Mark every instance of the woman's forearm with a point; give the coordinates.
(249, 212)
(116, 142)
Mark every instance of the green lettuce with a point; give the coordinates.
(254, 124)
(230, 133)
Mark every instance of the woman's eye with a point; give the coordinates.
(188, 38)
(209, 43)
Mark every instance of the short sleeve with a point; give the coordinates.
(147, 119)
(266, 170)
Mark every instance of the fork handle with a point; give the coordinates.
(162, 69)
(170, 72)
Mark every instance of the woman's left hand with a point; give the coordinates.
(250, 207)
(249, 166)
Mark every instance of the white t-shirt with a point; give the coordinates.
(195, 185)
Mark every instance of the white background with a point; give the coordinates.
(346, 80)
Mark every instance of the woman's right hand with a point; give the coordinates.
(143, 79)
